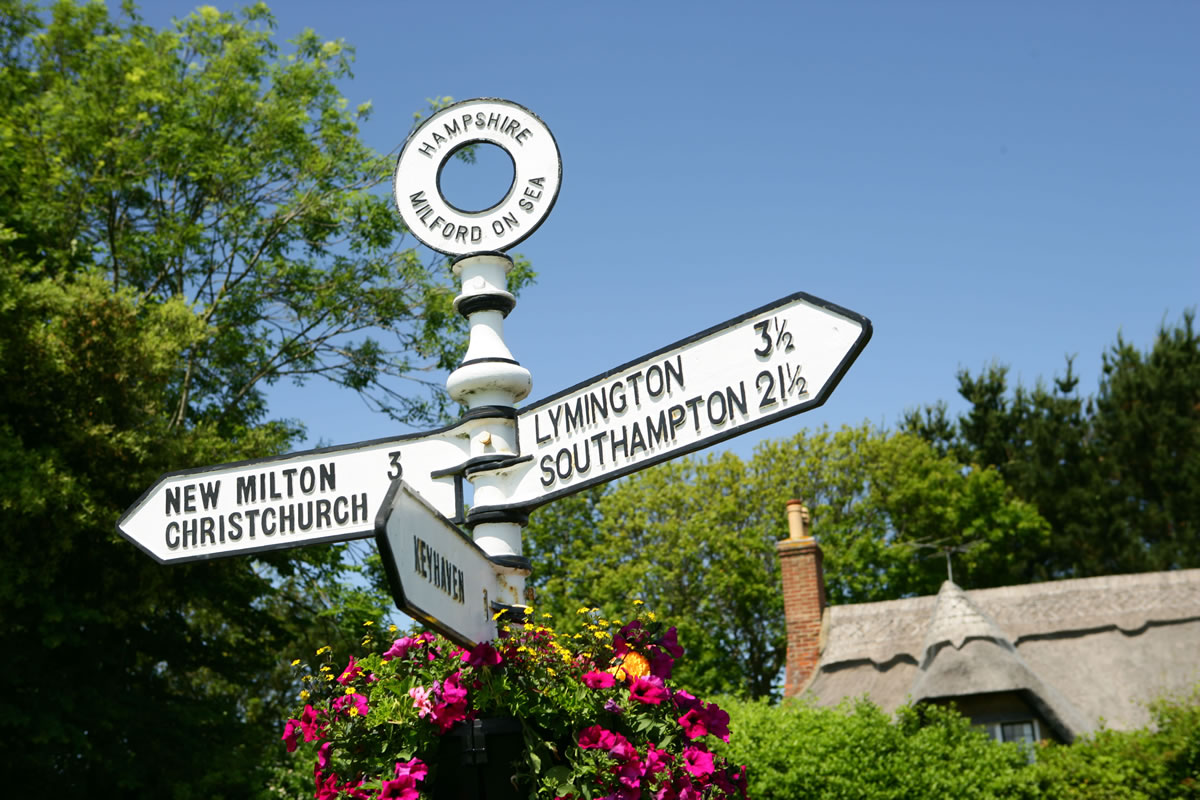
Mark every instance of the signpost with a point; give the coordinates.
(437, 573)
(762, 366)
(767, 364)
(325, 495)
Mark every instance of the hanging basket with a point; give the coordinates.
(475, 760)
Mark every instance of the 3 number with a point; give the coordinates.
(394, 461)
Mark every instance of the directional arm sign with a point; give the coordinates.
(437, 573)
(778, 360)
(325, 495)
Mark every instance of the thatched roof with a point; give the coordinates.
(1081, 651)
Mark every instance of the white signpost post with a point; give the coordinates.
(773, 362)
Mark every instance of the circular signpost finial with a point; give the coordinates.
(537, 175)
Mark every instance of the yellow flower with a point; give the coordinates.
(325, 668)
(528, 610)
(547, 615)
(328, 677)
(602, 622)
(324, 649)
(651, 616)
(634, 665)
(582, 610)
(392, 629)
(349, 690)
(369, 622)
(353, 711)
(296, 663)
(498, 614)
(304, 694)
(639, 602)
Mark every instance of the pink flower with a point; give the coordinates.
(656, 760)
(482, 655)
(684, 701)
(416, 768)
(453, 706)
(421, 701)
(289, 734)
(630, 773)
(404, 787)
(595, 736)
(309, 724)
(697, 761)
(357, 705)
(351, 672)
(599, 680)
(621, 748)
(323, 755)
(704, 720)
(399, 648)
(648, 689)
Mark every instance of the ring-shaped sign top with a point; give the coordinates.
(537, 175)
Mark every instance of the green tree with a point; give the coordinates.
(695, 540)
(186, 217)
(1116, 476)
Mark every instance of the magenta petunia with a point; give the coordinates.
(596, 737)
(694, 723)
(482, 655)
(323, 754)
(399, 648)
(599, 680)
(629, 773)
(661, 664)
(621, 748)
(289, 734)
(697, 761)
(310, 724)
(656, 760)
(417, 768)
(648, 689)
(351, 672)
(670, 642)
(352, 704)
(684, 701)
(717, 721)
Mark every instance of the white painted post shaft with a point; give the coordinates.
(490, 376)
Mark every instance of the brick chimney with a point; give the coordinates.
(803, 576)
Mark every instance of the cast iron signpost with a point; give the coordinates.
(773, 362)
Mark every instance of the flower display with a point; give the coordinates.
(598, 718)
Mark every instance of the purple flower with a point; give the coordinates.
(611, 706)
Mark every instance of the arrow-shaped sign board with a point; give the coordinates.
(437, 573)
(778, 360)
(326, 495)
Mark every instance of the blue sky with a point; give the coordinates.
(1008, 182)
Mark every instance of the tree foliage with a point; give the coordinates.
(695, 539)
(186, 216)
(1116, 475)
